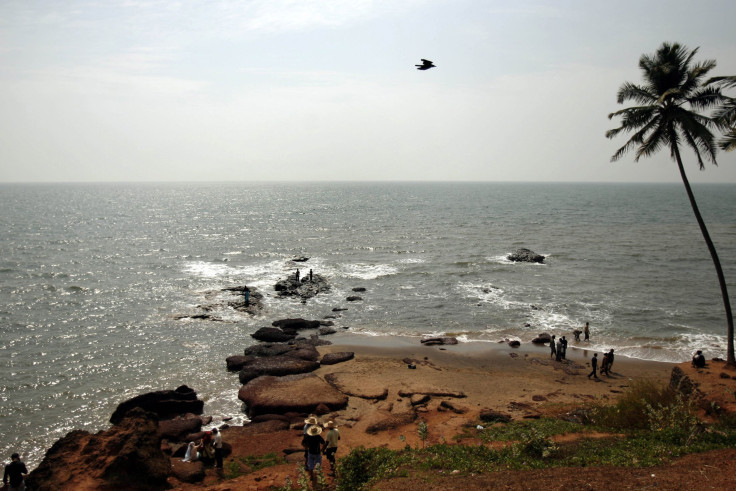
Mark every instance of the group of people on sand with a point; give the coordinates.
(558, 350)
(209, 448)
(315, 445)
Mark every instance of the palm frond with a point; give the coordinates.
(728, 142)
(636, 93)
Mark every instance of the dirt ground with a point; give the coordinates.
(522, 384)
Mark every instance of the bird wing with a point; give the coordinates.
(426, 62)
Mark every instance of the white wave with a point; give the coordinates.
(368, 271)
(412, 260)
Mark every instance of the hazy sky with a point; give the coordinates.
(250, 90)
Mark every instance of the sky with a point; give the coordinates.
(326, 90)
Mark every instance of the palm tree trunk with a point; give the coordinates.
(730, 359)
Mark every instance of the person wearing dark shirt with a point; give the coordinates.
(15, 474)
(315, 445)
(699, 360)
(594, 364)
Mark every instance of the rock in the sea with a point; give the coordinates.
(542, 338)
(268, 349)
(235, 363)
(354, 298)
(273, 335)
(277, 366)
(127, 456)
(163, 403)
(292, 393)
(304, 289)
(325, 331)
(514, 343)
(439, 340)
(295, 324)
(335, 358)
(526, 255)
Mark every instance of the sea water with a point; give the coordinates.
(93, 278)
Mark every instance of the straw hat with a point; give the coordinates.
(314, 431)
(329, 425)
(311, 421)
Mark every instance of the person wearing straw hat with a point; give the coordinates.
(308, 423)
(314, 444)
(331, 438)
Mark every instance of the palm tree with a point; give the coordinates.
(725, 116)
(667, 116)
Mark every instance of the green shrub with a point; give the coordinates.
(631, 410)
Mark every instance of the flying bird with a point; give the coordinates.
(426, 65)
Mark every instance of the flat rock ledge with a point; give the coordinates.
(292, 393)
(367, 389)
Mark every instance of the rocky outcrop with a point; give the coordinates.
(164, 404)
(335, 358)
(347, 384)
(304, 288)
(439, 340)
(127, 456)
(178, 428)
(277, 366)
(297, 324)
(526, 256)
(542, 338)
(236, 362)
(292, 393)
(273, 335)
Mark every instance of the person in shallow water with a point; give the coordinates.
(586, 331)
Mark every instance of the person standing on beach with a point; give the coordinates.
(217, 443)
(586, 331)
(564, 348)
(605, 365)
(15, 474)
(558, 352)
(594, 364)
(552, 350)
(331, 438)
(314, 445)
(308, 423)
(610, 360)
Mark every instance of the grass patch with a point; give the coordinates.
(240, 466)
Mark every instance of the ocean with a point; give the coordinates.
(94, 276)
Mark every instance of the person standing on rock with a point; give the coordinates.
(594, 364)
(314, 444)
(331, 438)
(552, 350)
(296, 275)
(586, 331)
(310, 275)
(217, 443)
(15, 474)
(246, 295)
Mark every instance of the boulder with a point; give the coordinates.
(273, 335)
(525, 255)
(126, 456)
(439, 340)
(164, 404)
(542, 338)
(177, 429)
(189, 472)
(276, 366)
(235, 363)
(309, 353)
(324, 331)
(354, 298)
(359, 289)
(335, 358)
(268, 349)
(295, 324)
(514, 343)
(292, 393)
(304, 288)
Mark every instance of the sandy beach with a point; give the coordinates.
(448, 389)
